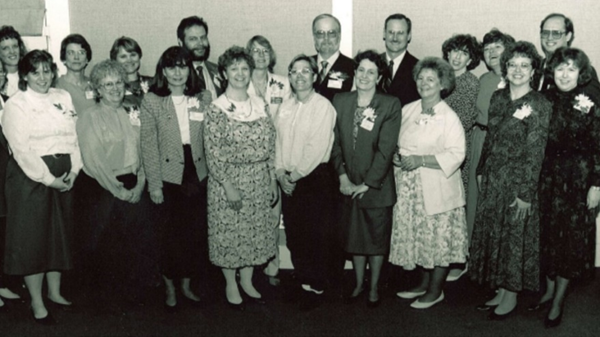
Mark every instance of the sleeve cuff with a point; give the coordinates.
(48, 179)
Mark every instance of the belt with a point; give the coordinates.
(481, 126)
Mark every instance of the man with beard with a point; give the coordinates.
(192, 34)
(336, 71)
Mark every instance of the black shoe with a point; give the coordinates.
(237, 307)
(485, 307)
(553, 323)
(193, 303)
(48, 320)
(496, 317)
(539, 305)
(373, 304)
(63, 307)
(352, 299)
(171, 309)
(4, 308)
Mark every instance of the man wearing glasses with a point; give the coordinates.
(336, 71)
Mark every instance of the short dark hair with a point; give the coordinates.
(302, 57)
(579, 58)
(399, 16)
(372, 56)
(444, 71)
(520, 48)
(261, 40)
(495, 36)
(569, 28)
(31, 61)
(324, 16)
(175, 56)
(190, 22)
(464, 42)
(128, 44)
(76, 39)
(8, 32)
(230, 56)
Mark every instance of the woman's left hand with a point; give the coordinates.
(593, 198)
(409, 163)
(70, 180)
(137, 194)
(523, 209)
(359, 191)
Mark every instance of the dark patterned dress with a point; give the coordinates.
(243, 153)
(463, 101)
(504, 250)
(571, 166)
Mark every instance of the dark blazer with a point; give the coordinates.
(4, 155)
(345, 66)
(162, 150)
(403, 85)
(370, 162)
(213, 70)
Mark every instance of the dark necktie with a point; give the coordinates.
(202, 82)
(323, 72)
(389, 76)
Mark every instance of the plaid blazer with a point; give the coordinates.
(162, 150)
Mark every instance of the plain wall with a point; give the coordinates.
(434, 21)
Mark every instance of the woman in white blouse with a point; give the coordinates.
(39, 124)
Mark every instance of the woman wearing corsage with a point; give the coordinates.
(128, 53)
(429, 231)
(505, 244)
(570, 179)
(39, 124)
(240, 152)
(366, 131)
(116, 229)
(172, 126)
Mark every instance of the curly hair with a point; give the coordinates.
(580, 60)
(76, 39)
(128, 44)
(443, 69)
(31, 61)
(231, 56)
(262, 41)
(520, 48)
(467, 43)
(372, 56)
(496, 36)
(104, 69)
(175, 56)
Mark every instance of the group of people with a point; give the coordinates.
(384, 158)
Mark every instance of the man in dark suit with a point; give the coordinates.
(398, 78)
(192, 34)
(336, 71)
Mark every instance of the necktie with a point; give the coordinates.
(389, 75)
(202, 83)
(323, 72)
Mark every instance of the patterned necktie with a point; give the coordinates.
(323, 72)
(202, 82)
(389, 75)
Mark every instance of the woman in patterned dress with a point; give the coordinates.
(505, 243)
(240, 151)
(570, 172)
(429, 230)
(463, 52)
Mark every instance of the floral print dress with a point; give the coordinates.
(243, 153)
(504, 250)
(571, 166)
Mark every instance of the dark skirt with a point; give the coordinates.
(39, 221)
(368, 229)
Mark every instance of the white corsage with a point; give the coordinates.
(502, 84)
(337, 76)
(134, 115)
(369, 114)
(583, 103)
(145, 86)
(193, 104)
(522, 112)
(64, 111)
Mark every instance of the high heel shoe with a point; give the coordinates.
(493, 316)
(255, 300)
(352, 299)
(485, 307)
(63, 307)
(48, 320)
(237, 307)
(539, 305)
(171, 309)
(553, 323)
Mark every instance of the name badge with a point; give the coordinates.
(89, 94)
(335, 84)
(135, 121)
(276, 100)
(367, 124)
(197, 116)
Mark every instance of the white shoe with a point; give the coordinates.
(409, 295)
(452, 278)
(420, 305)
(307, 287)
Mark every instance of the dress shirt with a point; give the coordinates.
(183, 119)
(274, 93)
(110, 146)
(304, 135)
(330, 61)
(397, 61)
(208, 80)
(12, 83)
(37, 125)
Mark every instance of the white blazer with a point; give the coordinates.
(278, 90)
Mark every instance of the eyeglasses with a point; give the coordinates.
(112, 85)
(80, 52)
(321, 34)
(513, 66)
(555, 34)
(304, 72)
(259, 51)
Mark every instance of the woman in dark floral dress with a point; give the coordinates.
(505, 243)
(570, 175)
(240, 151)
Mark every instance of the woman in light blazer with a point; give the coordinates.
(429, 230)
(172, 116)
